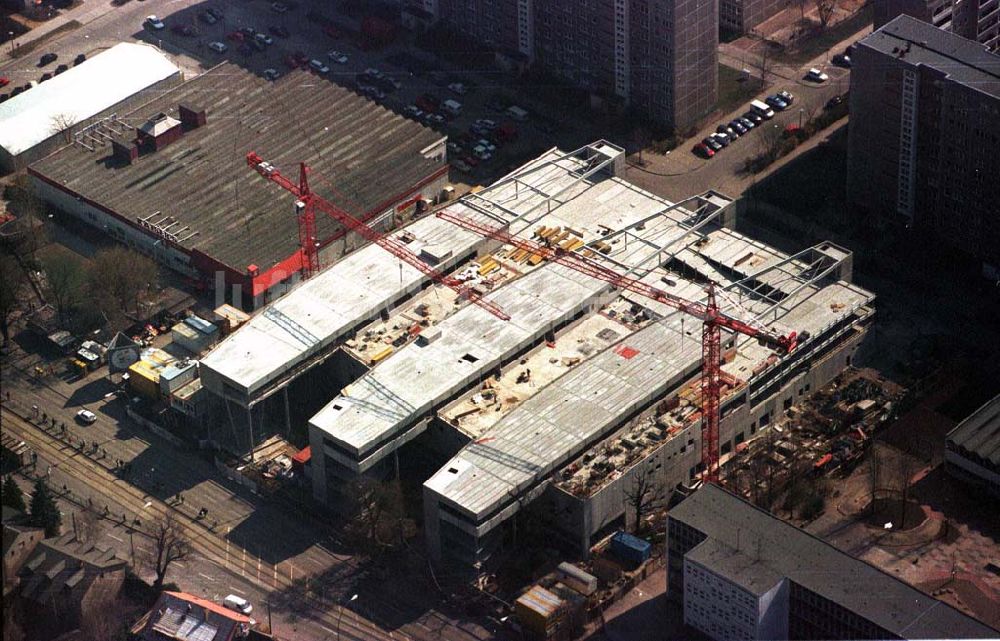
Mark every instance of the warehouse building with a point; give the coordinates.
(972, 449)
(742, 573)
(170, 178)
(44, 118)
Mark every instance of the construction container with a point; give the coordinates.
(539, 612)
(177, 375)
(574, 577)
(381, 355)
(144, 379)
(191, 339)
(630, 548)
(228, 318)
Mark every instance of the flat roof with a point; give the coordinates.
(736, 566)
(561, 419)
(783, 549)
(81, 92)
(979, 434)
(916, 42)
(363, 156)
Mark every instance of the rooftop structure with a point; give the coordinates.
(185, 617)
(303, 327)
(80, 93)
(749, 548)
(174, 179)
(972, 449)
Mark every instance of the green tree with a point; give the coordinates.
(44, 511)
(12, 495)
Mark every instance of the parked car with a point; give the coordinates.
(331, 31)
(336, 56)
(842, 60)
(738, 127)
(722, 139)
(471, 161)
(816, 75)
(47, 59)
(79, 59)
(461, 165)
(185, 30)
(217, 14)
(279, 7)
(753, 117)
(727, 131)
(271, 74)
(317, 65)
(746, 122)
(834, 102)
(4, 80)
(372, 92)
(777, 103)
(786, 96)
(154, 23)
(459, 88)
(486, 123)
(86, 417)
(263, 37)
(711, 143)
(704, 150)
(236, 36)
(490, 147)
(255, 44)
(413, 111)
(237, 603)
(454, 148)
(207, 17)
(279, 31)
(218, 47)
(482, 153)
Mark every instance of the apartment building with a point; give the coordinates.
(973, 19)
(657, 56)
(923, 139)
(743, 573)
(741, 16)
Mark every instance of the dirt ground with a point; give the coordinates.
(947, 552)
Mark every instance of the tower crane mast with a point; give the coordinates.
(307, 204)
(712, 318)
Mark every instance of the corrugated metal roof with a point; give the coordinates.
(80, 93)
(979, 434)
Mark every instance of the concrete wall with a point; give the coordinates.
(717, 607)
(772, 612)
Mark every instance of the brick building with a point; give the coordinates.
(923, 139)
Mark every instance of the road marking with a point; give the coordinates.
(205, 576)
(116, 538)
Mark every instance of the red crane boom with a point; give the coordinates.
(712, 318)
(310, 201)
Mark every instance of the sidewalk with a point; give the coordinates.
(86, 13)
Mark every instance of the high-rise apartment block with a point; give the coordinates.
(658, 56)
(973, 19)
(923, 137)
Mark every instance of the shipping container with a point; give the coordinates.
(144, 379)
(175, 376)
(574, 577)
(630, 548)
(190, 338)
(538, 611)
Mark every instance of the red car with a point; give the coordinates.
(296, 60)
(4, 81)
(236, 36)
(703, 150)
(471, 161)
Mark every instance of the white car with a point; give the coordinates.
(237, 603)
(318, 66)
(218, 47)
(154, 23)
(336, 56)
(459, 88)
(86, 417)
(486, 144)
(816, 75)
(482, 153)
(271, 74)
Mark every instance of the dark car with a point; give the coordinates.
(80, 58)
(207, 17)
(61, 68)
(842, 60)
(727, 131)
(776, 102)
(786, 96)
(722, 139)
(45, 76)
(47, 58)
(279, 31)
(746, 122)
(738, 127)
(185, 30)
(3, 97)
(215, 13)
(834, 102)
(712, 143)
(753, 117)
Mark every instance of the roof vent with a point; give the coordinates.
(191, 117)
(159, 131)
(125, 153)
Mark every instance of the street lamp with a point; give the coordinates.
(801, 110)
(340, 613)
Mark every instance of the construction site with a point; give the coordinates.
(540, 341)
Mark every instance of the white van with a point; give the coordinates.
(238, 604)
(761, 109)
(451, 107)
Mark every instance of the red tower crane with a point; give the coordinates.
(713, 320)
(308, 202)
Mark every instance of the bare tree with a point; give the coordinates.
(12, 279)
(825, 9)
(376, 513)
(64, 281)
(62, 123)
(769, 141)
(118, 278)
(88, 526)
(108, 619)
(763, 63)
(169, 544)
(642, 493)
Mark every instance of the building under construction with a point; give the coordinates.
(577, 383)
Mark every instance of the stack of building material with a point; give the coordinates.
(539, 612)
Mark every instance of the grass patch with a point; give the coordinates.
(31, 45)
(732, 90)
(815, 44)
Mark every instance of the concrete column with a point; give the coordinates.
(288, 416)
(250, 423)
